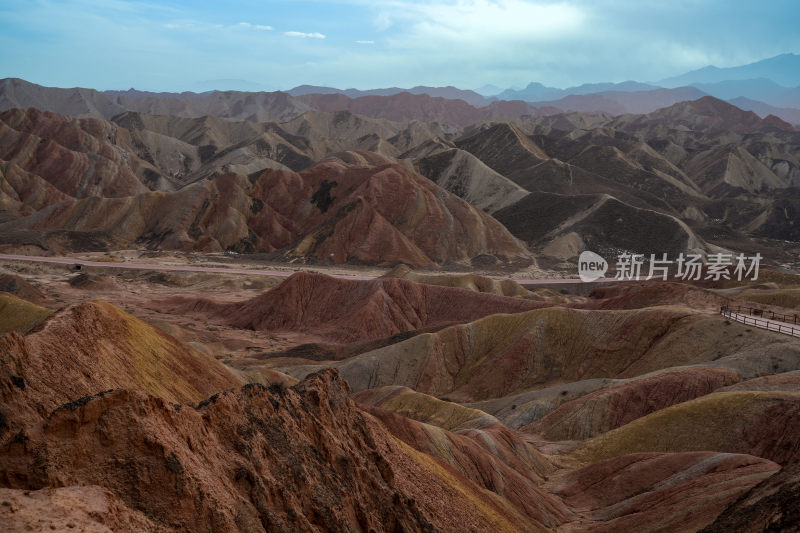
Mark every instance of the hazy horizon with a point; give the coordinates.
(180, 45)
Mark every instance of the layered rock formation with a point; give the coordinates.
(502, 355)
(358, 208)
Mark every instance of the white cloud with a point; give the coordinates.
(365, 42)
(484, 20)
(261, 27)
(314, 35)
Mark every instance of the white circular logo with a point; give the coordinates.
(591, 266)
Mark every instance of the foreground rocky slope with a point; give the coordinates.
(252, 459)
(624, 414)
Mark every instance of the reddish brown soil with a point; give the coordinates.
(72, 155)
(495, 459)
(89, 509)
(180, 445)
(348, 310)
(658, 492)
(20, 288)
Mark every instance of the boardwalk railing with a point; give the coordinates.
(763, 323)
(754, 311)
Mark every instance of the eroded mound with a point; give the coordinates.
(764, 424)
(658, 492)
(349, 310)
(637, 295)
(359, 207)
(495, 459)
(771, 505)
(604, 410)
(423, 408)
(21, 288)
(501, 355)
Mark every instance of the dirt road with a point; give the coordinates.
(232, 270)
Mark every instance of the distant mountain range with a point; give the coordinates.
(771, 86)
(783, 69)
(536, 92)
(768, 87)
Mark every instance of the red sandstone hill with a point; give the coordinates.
(349, 310)
(494, 459)
(637, 295)
(640, 492)
(304, 458)
(664, 454)
(80, 157)
(23, 193)
(700, 170)
(772, 503)
(359, 208)
(21, 288)
(507, 354)
(708, 114)
(658, 491)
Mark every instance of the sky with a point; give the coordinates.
(192, 45)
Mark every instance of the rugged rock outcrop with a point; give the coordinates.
(91, 509)
(252, 459)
